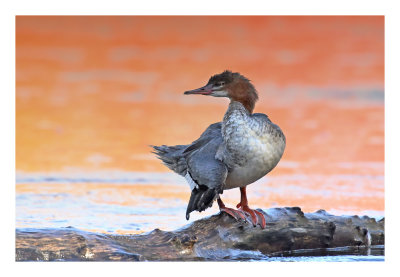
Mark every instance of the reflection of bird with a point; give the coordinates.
(229, 154)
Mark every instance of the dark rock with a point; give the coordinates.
(218, 237)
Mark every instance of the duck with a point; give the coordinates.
(233, 153)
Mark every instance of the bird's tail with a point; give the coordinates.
(172, 157)
(202, 197)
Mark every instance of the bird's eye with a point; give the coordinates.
(219, 84)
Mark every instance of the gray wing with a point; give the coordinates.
(197, 163)
(208, 173)
(175, 157)
(268, 125)
(261, 116)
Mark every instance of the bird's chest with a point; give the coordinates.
(251, 150)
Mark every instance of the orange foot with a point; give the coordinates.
(255, 215)
(232, 212)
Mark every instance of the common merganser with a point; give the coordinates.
(233, 153)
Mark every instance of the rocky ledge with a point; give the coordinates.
(218, 237)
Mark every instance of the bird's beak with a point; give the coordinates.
(206, 90)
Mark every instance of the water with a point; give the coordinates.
(341, 254)
(127, 202)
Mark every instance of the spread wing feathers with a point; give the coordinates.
(212, 132)
(196, 161)
(174, 157)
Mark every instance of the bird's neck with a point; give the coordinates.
(247, 103)
(245, 94)
(236, 110)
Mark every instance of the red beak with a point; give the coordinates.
(206, 90)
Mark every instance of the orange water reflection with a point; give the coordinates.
(93, 92)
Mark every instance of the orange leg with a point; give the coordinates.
(244, 206)
(232, 212)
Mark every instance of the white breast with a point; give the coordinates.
(254, 146)
(262, 157)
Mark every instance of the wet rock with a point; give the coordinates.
(218, 237)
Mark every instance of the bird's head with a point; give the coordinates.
(232, 85)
